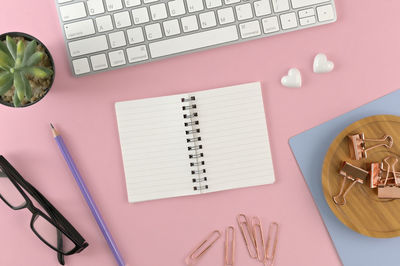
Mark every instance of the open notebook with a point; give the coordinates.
(194, 143)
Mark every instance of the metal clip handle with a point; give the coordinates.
(390, 169)
(340, 199)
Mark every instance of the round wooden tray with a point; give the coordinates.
(364, 212)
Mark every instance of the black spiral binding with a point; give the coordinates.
(193, 139)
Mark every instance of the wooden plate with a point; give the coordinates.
(364, 212)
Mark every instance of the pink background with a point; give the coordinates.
(364, 44)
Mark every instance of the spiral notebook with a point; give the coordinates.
(194, 143)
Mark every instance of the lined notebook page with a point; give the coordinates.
(154, 148)
(234, 137)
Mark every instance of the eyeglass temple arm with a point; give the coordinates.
(60, 256)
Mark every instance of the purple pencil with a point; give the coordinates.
(88, 198)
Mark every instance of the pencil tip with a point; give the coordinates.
(51, 125)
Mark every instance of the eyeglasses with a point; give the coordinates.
(49, 225)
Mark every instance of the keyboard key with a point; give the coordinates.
(149, 1)
(136, 54)
(189, 23)
(193, 41)
(99, 62)
(250, 29)
(228, 2)
(280, 5)
(288, 21)
(194, 5)
(73, 11)
(95, 7)
(81, 66)
(158, 11)
(307, 21)
(113, 5)
(262, 8)
(140, 15)
(207, 20)
(301, 3)
(225, 15)
(122, 19)
(325, 13)
(135, 35)
(244, 11)
(117, 39)
(79, 29)
(171, 27)
(64, 1)
(306, 13)
(176, 7)
(88, 46)
(131, 3)
(117, 58)
(104, 23)
(270, 24)
(213, 3)
(153, 31)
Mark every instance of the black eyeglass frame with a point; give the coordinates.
(55, 218)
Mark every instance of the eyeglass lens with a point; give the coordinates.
(50, 234)
(9, 192)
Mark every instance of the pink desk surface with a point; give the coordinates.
(364, 44)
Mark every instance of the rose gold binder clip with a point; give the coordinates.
(381, 176)
(258, 239)
(230, 246)
(205, 245)
(270, 249)
(357, 145)
(247, 233)
(387, 179)
(353, 173)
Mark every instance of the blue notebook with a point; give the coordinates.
(310, 148)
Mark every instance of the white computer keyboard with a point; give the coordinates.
(106, 34)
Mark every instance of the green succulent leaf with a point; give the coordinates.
(29, 51)
(38, 71)
(6, 82)
(16, 101)
(3, 47)
(28, 88)
(34, 59)
(20, 53)
(6, 61)
(19, 85)
(12, 46)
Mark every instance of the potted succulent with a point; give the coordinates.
(26, 70)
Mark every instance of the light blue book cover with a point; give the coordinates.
(309, 149)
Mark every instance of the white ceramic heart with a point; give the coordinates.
(293, 79)
(322, 64)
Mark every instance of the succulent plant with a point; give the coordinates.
(18, 62)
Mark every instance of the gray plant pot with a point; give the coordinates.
(29, 38)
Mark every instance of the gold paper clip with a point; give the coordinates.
(271, 251)
(230, 253)
(247, 233)
(355, 174)
(357, 146)
(193, 257)
(258, 239)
